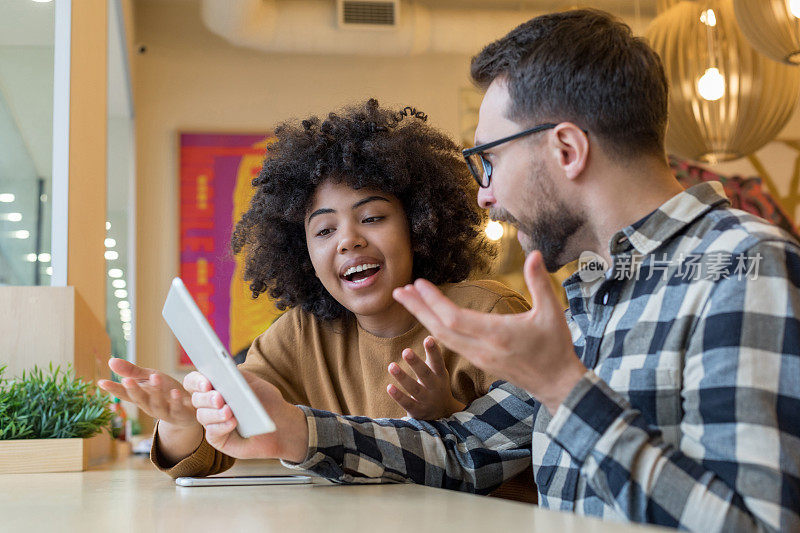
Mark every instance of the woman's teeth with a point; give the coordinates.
(359, 268)
(361, 273)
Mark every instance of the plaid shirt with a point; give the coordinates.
(689, 414)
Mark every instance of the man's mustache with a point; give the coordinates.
(501, 215)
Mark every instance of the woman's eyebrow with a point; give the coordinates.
(369, 199)
(323, 211)
(326, 210)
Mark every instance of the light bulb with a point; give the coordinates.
(794, 8)
(494, 230)
(708, 17)
(711, 85)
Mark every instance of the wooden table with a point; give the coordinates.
(131, 495)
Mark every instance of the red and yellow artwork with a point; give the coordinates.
(216, 171)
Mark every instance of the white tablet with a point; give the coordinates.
(213, 361)
(226, 481)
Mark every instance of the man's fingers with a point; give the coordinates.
(218, 434)
(210, 400)
(214, 416)
(411, 385)
(423, 371)
(402, 399)
(127, 369)
(538, 281)
(433, 356)
(196, 382)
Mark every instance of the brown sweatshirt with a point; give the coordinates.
(337, 366)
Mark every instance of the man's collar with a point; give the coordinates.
(649, 233)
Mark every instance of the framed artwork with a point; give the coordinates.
(216, 172)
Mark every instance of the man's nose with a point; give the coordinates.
(486, 197)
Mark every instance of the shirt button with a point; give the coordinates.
(605, 298)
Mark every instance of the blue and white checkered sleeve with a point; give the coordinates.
(473, 451)
(738, 464)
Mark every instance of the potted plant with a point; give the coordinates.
(46, 419)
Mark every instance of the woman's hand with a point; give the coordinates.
(289, 441)
(153, 392)
(428, 397)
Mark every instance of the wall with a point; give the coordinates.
(191, 80)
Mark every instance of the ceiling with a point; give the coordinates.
(620, 7)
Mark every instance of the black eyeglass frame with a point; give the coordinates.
(469, 152)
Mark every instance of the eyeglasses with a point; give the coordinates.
(481, 168)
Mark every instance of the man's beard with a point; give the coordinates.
(553, 226)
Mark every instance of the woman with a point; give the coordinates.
(345, 210)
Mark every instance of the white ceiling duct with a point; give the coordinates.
(311, 27)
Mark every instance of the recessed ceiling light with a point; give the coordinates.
(49, 271)
(111, 255)
(110, 243)
(118, 283)
(30, 258)
(121, 293)
(124, 304)
(108, 225)
(11, 217)
(6, 197)
(115, 273)
(21, 234)
(44, 258)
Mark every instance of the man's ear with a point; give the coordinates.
(570, 145)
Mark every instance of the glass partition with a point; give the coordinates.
(26, 141)
(119, 252)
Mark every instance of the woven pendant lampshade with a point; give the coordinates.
(772, 27)
(663, 5)
(726, 99)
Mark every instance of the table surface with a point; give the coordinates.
(131, 495)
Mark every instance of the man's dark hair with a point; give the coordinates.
(364, 146)
(586, 67)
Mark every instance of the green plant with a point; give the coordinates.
(53, 405)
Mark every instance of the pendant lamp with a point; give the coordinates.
(726, 99)
(772, 27)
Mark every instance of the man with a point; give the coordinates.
(671, 392)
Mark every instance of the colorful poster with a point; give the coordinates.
(216, 171)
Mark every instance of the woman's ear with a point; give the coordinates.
(571, 146)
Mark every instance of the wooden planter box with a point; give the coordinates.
(50, 455)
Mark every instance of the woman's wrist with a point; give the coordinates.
(177, 442)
